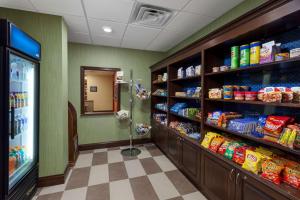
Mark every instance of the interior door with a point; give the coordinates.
(23, 113)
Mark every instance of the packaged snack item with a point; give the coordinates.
(294, 52)
(271, 170)
(284, 137)
(240, 154)
(180, 73)
(291, 174)
(223, 147)
(252, 161)
(259, 130)
(198, 70)
(215, 93)
(260, 94)
(254, 53)
(216, 143)
(208, 138)
(190, 71)
(290, 142)
(243, 126)
(296, 94)
(244, 88)
(230, 149)
(224, 68)
(266, 52)
(216, 69)
(282, 56)
(250, 96)
(272, 95)
(274, 124)
(228, 91)
(234, 57)
(297, 141)
(244, 55)
(287, 94)
(239, 96)
(264, 151)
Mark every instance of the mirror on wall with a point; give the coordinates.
(99, 92)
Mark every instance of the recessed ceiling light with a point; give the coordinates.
(107, 29)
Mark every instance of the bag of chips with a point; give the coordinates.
(216, 143)
(291, 174)
(253, 161)
(240, 154)
(284, 137)
(265, 152)
(271, 170)
(208, 138)
(290, 142)
(230, 149)
(223, 147)
(274, 125)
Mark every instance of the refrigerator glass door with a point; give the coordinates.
(22, 152)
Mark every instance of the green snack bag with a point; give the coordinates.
(230, 149)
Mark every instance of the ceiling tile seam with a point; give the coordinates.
(33, 6)
(177, 13)
(131, 12)
(106, 20)
(86, 20)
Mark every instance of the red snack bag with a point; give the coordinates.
(271, 170)
(275, 124)
(216, 143)
(291, 174)
(240, 154)
(223, 147)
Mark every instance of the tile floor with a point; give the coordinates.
(104, 174)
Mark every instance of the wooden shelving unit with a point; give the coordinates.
(215, 51)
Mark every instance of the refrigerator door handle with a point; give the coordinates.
(12, 123)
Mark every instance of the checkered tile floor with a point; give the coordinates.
(104, 174)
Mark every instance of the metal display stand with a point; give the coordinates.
(131, 151)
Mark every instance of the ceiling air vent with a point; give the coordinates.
(151, 16)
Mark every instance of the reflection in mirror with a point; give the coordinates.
(99, 92)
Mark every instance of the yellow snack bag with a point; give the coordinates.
(290, 142)
(253, 161)
(283, 140)
(264, 151)
(208, 138)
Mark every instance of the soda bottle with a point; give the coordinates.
(25, 98)
(16, 128)
(22, 99)
(12, 163)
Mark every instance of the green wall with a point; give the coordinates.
(232, 14)
(51, 32)
(94, 129)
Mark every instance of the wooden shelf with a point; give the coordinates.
(176, 97)
(160, 83)
(183, 117)
(186, 78)
(288, 105)
(261, 67)
(257, 140)
(153, 95)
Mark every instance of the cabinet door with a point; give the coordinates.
(190, 160)
(217, 178)
(163, 137)
(248, 188)
(174, 147)
(154, 132)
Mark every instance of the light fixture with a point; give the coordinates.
(107, 29)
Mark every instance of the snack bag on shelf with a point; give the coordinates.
(272, 95)
(216, 143)
(287, 94)
(208, 138)
(230, 149)
(284, 137)
(291, 174)
(297, 141)
(264, 151)
(291, 140)
(275, 124)
(223, 147)
(259, 130)
(271, 170)
(240, 154)
(253, 161)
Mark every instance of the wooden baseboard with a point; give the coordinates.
(84, 147)
(54, 179)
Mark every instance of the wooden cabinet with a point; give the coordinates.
(248, 188)
(217, 178)
(160, 136)
(190, 160)
(174, 147)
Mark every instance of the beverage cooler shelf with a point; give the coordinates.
(14, 176)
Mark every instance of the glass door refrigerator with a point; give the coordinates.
(19, 112)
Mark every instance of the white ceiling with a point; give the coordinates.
(85, 19)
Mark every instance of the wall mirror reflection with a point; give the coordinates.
(99, 92)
